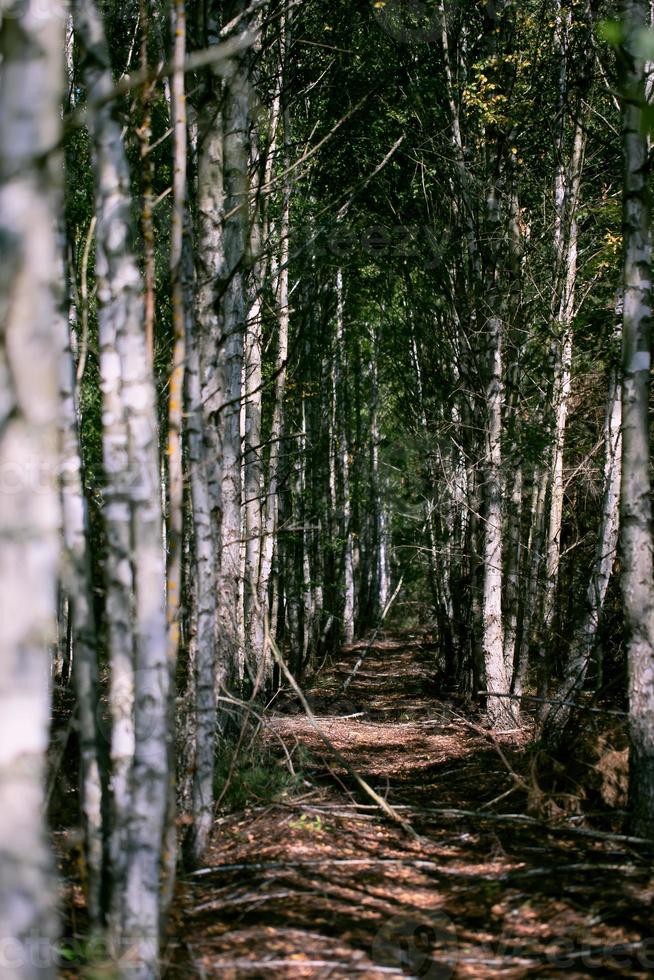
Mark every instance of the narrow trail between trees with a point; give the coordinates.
(322, 885)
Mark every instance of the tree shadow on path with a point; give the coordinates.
(324, 886)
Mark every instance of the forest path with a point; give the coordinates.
(325, 886)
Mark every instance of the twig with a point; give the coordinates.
(213, 55)
(244, 965)
(419, 864)
(84, 297)
(389, 810)
(363, 656)
(449, 813)
(517, 778)
(569, 704)
(251, 897)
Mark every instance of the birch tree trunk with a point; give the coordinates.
(230, 363)
(567, 196)
(76, 576)
(583, 637)
(31, 88)
(534, 560)
(567, 184)
(204, 597)
(252, 487)
(253, 600)
(203, 400)
(636, 545)
(340, 427)
(497, 676)
(277, 424)
(135, 564)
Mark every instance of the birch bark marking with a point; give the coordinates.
(567, 185)
(236, 233)
(31, 89)
(636, 512)
(497, 678)
(566, 259)
(135, 564)
(204, 399)
(204, 570)
(76, 576)
(253, 600)
(277, 424)
(341, 409)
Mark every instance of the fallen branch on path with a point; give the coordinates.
(303, 965)
(449, 813)
(555, 701)
(367, 649)
(386, 808)
(419, 864)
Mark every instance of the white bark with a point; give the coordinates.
(31, 87)
(277, 424)
(497, 674)
(636, 510)
(202, 657)
(229, 368)
(340, 411)
(76, 577)
(135, 563)
(203, 641)
(253, 598)
(567, 186)
(204, 400)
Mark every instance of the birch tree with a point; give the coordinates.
(585, 630)
(204, 399)
(76, 578)
(135, 564)
(636, 545)
(31, 88)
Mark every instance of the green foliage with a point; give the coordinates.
(308, 824)
(253, 775)
(89, 957)
(611, 32)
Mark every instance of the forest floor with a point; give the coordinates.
(321, 884)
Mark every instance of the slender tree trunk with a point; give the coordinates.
(583, 637)
(340, 428)
(567, 185)
(76, 575)
(205, 397)
(230, 363)
(277, 423)
(636, 545)
(175, 416)
(144, 133)
(512, 571)
(253, 601)
(31, 88)
(135, 565)
(204, 596)
(497, 677)
(534, 559)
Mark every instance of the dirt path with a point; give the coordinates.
(324, 886)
